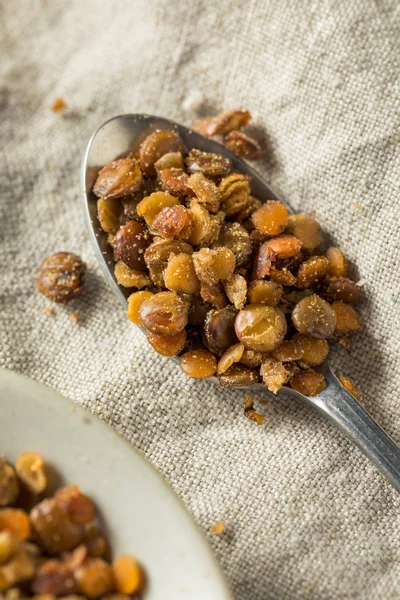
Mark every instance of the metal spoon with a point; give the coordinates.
(122, 134)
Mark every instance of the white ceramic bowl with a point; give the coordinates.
(142, 514)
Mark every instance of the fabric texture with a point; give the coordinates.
(306, 515)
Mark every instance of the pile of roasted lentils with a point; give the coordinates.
(51, 545)
(232, 284)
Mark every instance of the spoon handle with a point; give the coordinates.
(344, 410)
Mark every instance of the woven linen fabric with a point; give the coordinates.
(306, 515)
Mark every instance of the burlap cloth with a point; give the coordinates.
(306, 515)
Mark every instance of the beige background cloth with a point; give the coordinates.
(306, 515)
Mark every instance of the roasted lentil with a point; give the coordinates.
(61, 277)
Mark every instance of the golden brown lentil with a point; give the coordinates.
(313, 316)
(282, 276)
(346, 318)
(156, 145)
(239, 375)
(213, 294)
(135, 301)
(230, 356)
(271, 218)
(311, 271)
(342, 289)
(180, 275)
(95, 578)
(211, 165)
(206, 192)
(16, 521)
(175, 181)
(284, 246)
(61, 277)
(338, 266)
(131, 241)
(252, 359)
(171, 160)
(223, 123)
(235, 194)
(118, 179)
(9, 487)
(164, 313)
(109, 211)
(243, 145)
(309, 382)
(306, 229)
(199, 363)
(174, 222)
(31, 471)
(128, 277)
(265, 292)
(213, 265)
(263, 262)
(219, 329)
(167, 345)
(290, 350)
(152, 205)
(314, 351)
(260, 327)
(127, 574)
(206, 227)
(235, 237)
(79, 507)
(236, 290)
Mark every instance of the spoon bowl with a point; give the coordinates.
(123, 134)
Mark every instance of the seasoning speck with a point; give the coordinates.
(58, 105)
(218, 528)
